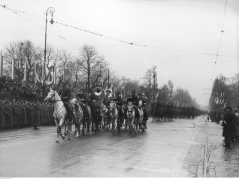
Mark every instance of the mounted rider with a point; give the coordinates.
(65, 94)
(108, 97)
(143, 98)
(83, 101)
(107, 100)
(135, 102)
(119, 102)
(118, 99)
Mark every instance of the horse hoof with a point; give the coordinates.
(63, 137)
(57, 140)
(69, 139)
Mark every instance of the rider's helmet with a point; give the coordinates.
(108, 92)
(140, 103)
(74, 101)
(132, 92)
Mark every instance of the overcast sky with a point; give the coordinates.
(180, 36)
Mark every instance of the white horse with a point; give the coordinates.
(59, 114)
(130, 117)
(78, 112)
(114, 115)
(105, 118)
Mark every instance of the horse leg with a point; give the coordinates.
(83, 127)
(69, 129)
(136, 127)
(59, 128)
(88, 126)
(58, 134)
(77, 129)
(118, 125)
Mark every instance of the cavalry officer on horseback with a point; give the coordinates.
(119, 102)
(143, 98)
(83, 99)
(118, 99)
(135, 102)
(108, 98)
(65, 94)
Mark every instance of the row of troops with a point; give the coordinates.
(24, 113)
(168, 111)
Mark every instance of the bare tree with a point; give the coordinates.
(92, 64)
(22, 52)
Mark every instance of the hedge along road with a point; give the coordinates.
(158, 152)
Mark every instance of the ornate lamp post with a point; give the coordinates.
(50, 10)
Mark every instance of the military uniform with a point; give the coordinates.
(2, 116)
(65, 94)
(143, 99)
(83, 99)
(135, 102)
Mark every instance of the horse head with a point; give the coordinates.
(103, 108)
(112, 106)
(52, 96)
(130, 111)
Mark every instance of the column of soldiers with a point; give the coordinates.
(170, 110)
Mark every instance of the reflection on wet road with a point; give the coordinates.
(158, 152)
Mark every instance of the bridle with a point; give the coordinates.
(50, 99)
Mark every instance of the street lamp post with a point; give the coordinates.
(50, 10)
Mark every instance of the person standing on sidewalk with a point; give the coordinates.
(236, 110)
(228, 126)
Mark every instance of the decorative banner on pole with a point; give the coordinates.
(25, 72)
(54, 74)
(40, 75)
(13, 69)
(1, 64)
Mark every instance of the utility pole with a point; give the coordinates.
(108, 78)
(154, 88)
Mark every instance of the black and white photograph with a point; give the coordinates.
(119, 88)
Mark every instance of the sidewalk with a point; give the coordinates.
(223, 162)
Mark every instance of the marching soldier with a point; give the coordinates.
(2, 115)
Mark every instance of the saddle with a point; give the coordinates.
(69, 110)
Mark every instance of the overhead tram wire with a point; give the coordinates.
(219, 41)
(129, 43)
(135, 44)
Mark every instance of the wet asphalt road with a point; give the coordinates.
(158, 152)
